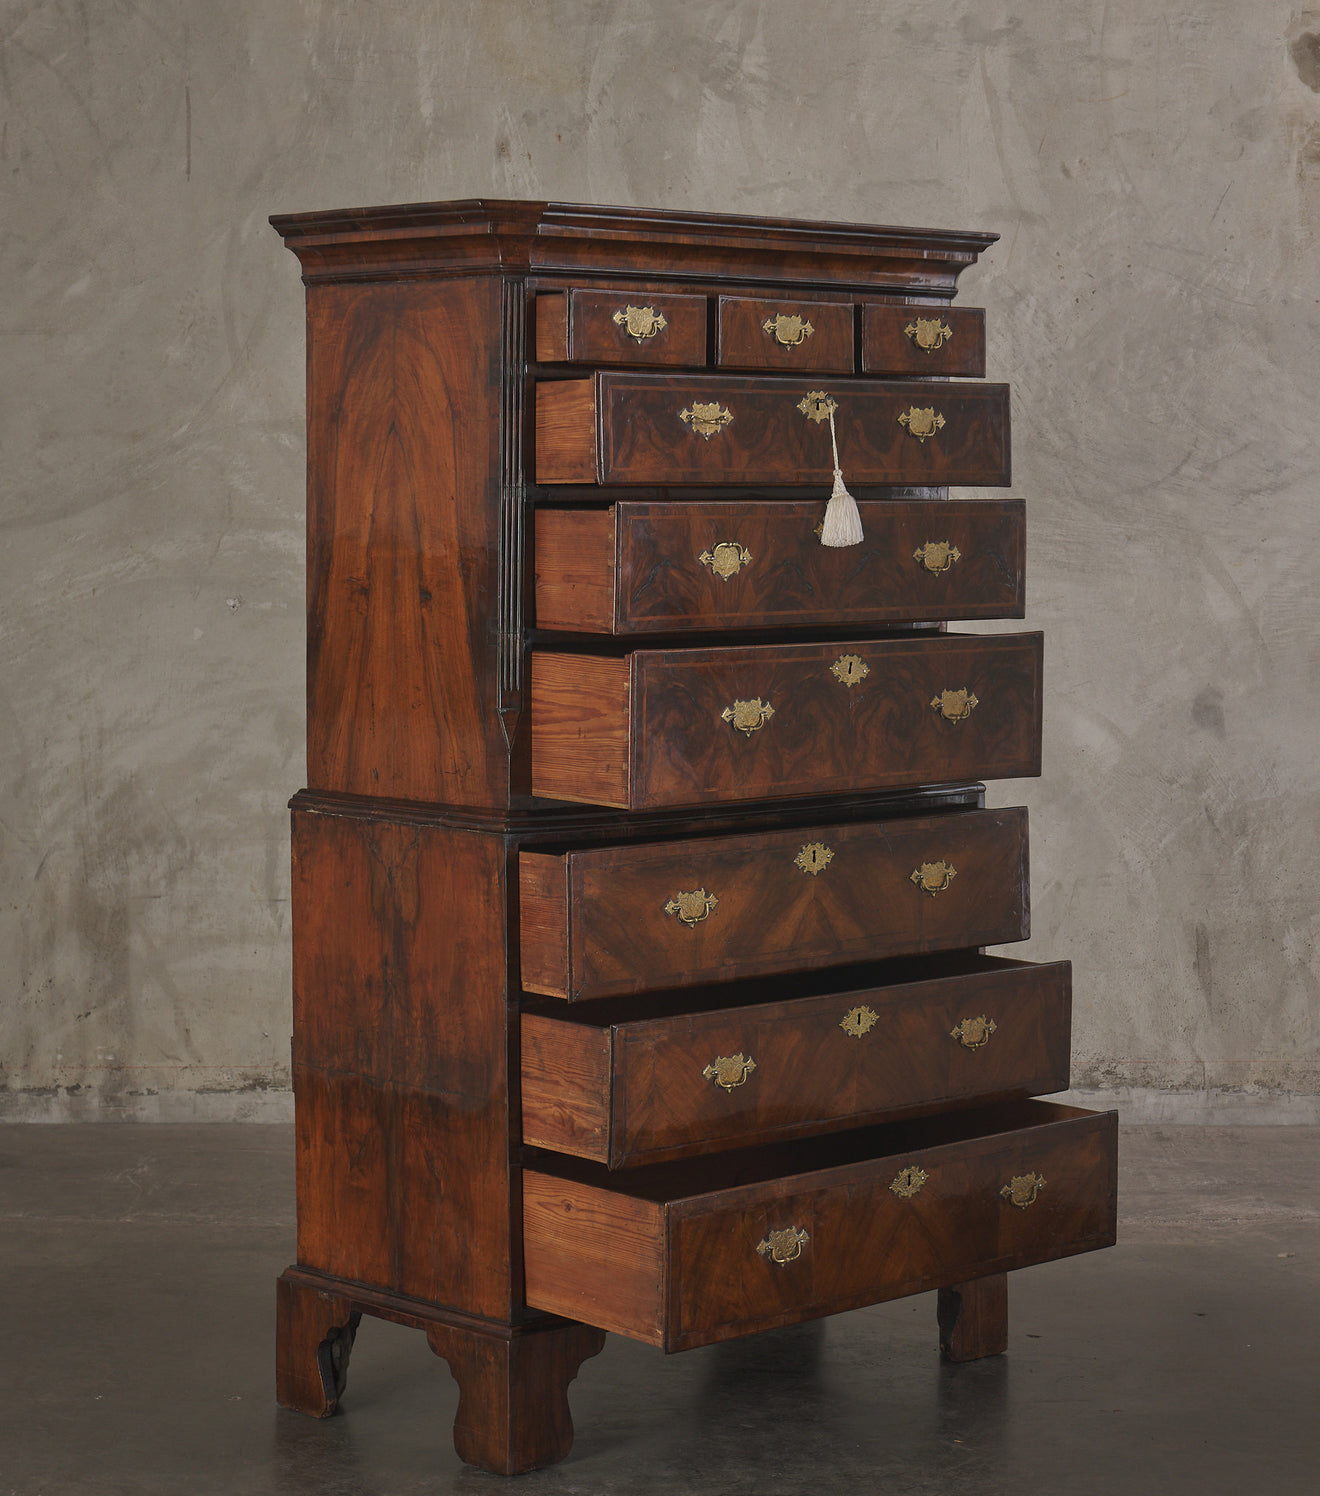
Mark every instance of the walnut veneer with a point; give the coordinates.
(643, 873)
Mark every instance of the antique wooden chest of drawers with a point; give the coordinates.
(643, 879)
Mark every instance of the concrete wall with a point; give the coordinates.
(1154, 169)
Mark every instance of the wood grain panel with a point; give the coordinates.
(403, 530)
(865, 1243)
(811, 1075)
(743, 342)
(580, 728)
(552, 327)
(771, 916)
(574, 570)
(887, 348)
(594, 337)
(663, 586)
(594, 1257)
(543, 922)
(884, 731)
(638, 434)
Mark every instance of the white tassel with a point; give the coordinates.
(843, 522)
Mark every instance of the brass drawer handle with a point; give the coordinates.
(1023, 1189)
(858, 1021)
(692, 907)
(850, 669)
(790, 331)
(783, 1247)
(729, 1070)
(928, 333)
(972, 1033)
(706, 420)
(748, 716)
(726, 559)
(921, 421)
(937, 556)
(640, 322)
(908, 1182)
(955, 706)
(814, 858)
(933, 877)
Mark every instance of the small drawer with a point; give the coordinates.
(679, 1255)
(620, 327)
(669, 727)
(923, 340)
(653, 915)
(630, 1087)
(667, 429)
(655, 568)
(786, 335)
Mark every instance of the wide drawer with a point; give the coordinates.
(640, 567)
(923, 340)
(689, 428)
(650, 915)
(620, 327)
(679, 1255)
(631, 1087)
(669, 727)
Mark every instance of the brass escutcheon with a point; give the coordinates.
(908, 1181)
(928, 333)
(691, 908)
(921, 421)
(729, 1070)
(748, 716)
(1022, 1189)
(783, 1247)
(814, 858)
(972, 1033)
(707, 420)
(790, 331)
(933, 877)
(817, 404)
(850, 669)
(937, 556)
(726, 559)
(640, 322)
(858, 1021)
(955, 706)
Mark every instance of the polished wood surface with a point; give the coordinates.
(591, 335)
(887, 348)
(657, 734)
(628, 429)
(973, 1318)
(314, 1334)
(636, 567)
(628, 1091)
(694, 1228)
(402, 520)
(744, 343)
(400, 1058)
(771, 916)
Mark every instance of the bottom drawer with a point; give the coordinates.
(679, 1255)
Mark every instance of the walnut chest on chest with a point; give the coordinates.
(643, 878)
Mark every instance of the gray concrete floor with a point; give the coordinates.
(137, 1269)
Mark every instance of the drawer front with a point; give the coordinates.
(931, 1204)
(620, 327)
(668, 429)
(656, 568)
(915, 340)
(773, 721)
(968, 1029)
(786, 335)
(648, 916)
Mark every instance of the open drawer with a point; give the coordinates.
(634, 1081)
(679, 1255)
(645, 916)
